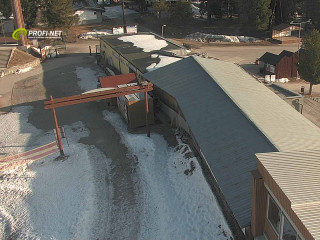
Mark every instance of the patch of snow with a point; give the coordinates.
(98, 90)
(204, 37)
(95, 34)
(147, 42)
(14, 137)
(164, 60)
(283, 80)
(88, 78)
(110, 71)
(36, 49)
(116, 12)
(23, 70)
(52, 199)
(178, 203)
(195, 10)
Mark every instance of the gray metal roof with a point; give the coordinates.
(232, 117)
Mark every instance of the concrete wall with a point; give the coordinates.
(87, 16)
(114, 59)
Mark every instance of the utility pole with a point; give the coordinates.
(299, 40)
(18, 19)
(124, 18)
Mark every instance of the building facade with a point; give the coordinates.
(285, 196)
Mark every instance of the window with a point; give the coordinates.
(288, 231)
(95, 13)
(274, 215)
(279, 222)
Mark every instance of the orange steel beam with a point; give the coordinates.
(89, 97)
(61, 103)
(147, 113)
(127, 90)
(57, 129)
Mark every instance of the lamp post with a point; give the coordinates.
(300, 24)
(162, 27)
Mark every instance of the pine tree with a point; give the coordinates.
(180, 12)
(260, 13)
(29, 11)
(58, 14)
(5, 8)
(309, 59)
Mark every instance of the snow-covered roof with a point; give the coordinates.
(145, 51)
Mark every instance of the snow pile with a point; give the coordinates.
(147, 42)
(95, 34)
(116, 12)
(195, 10)
(88, 78)
(23, 70)
(178, 203)
(15, 136)
(283, 80)
(204, 37)
(52, 199)
(164, 60)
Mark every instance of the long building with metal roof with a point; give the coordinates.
(231, 116)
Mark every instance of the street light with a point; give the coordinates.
(162, 27)
(300, 23)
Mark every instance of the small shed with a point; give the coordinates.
(283, 65)
(114, 81)
(132, 106)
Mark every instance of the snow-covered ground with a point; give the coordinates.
(116, 12)
(164, 60)
(72, 199)
(51, 199)
(204, 37)
(88, 78)
(177, 201)
(95, 34)
(147, 42)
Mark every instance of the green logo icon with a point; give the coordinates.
(18, 33)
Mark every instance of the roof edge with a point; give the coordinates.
(239, 108)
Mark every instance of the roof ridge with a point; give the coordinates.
(239, 107)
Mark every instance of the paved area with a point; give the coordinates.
(57, 77)
(245, 56)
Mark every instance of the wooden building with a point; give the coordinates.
(88, 11)
(131, 107)
(283, 65)
(285, 196)
(286, 33)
